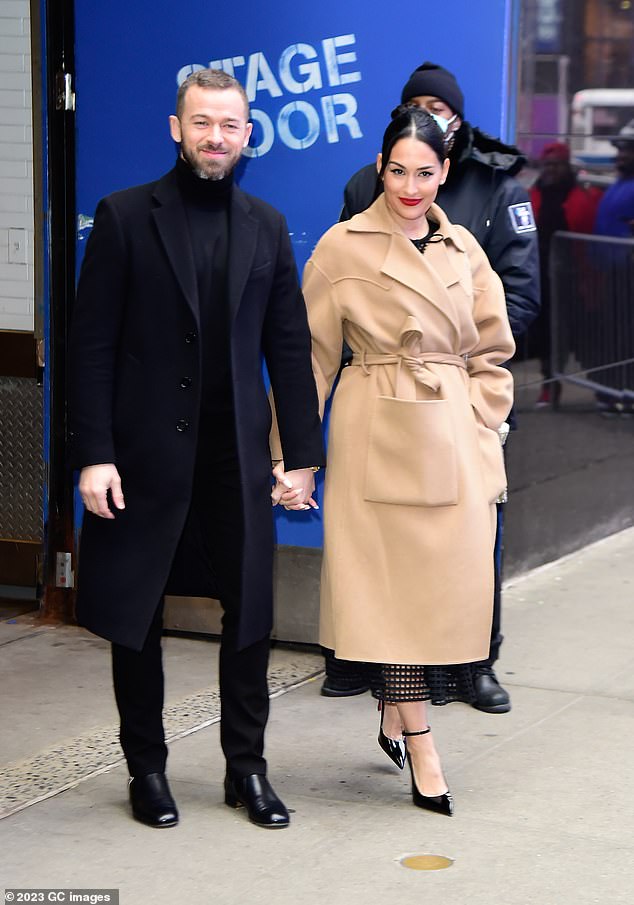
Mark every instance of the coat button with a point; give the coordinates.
(185, 383)
(182, 425)
(191, 337)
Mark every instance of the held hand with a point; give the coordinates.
(294, 489)
(282, 483)
(94, 483)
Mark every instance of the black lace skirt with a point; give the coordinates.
(436, 684)
(399, 684)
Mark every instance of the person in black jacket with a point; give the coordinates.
(481, 194)
(185, 284)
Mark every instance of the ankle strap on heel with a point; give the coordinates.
(406, 734)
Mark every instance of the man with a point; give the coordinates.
(185, 283)
(481, 194)
(559, 203)
(615, 216)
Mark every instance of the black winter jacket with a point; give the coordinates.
(480, 193)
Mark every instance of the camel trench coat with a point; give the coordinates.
(414, 460)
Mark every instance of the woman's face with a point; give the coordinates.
(410, 182)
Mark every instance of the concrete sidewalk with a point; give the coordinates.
(544, 795)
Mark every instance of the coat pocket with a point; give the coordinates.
(492, 458)
(411, 456)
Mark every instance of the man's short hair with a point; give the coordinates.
(216, 79)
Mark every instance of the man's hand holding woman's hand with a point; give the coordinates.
(293, 489)
(94, 483)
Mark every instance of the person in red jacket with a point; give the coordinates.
(559, 203)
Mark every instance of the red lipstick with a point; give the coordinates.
(410, 202)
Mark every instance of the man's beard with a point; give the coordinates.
(214, 171)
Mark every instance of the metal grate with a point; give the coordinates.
(592, 313)
(21, 460)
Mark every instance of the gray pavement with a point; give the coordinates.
(544, 795)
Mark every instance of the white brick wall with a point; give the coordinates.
(16, 179)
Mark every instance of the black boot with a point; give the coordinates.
(490, 696)
(343, 677)
(255, 793)
(152, 801)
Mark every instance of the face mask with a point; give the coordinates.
(442, 123)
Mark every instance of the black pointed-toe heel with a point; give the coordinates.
(394, 748)
(440, 804)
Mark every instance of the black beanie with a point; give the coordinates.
(438, 82)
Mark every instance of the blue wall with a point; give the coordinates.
(322, 81)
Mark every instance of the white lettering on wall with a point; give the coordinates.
(301, 68)
(334, 60)
(260, 78)
(310, 70)
(346, 117)
(268, 135)
(310, 125)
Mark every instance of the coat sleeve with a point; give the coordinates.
(515, 258)
(326, 329)
(490, 384)
(94, 340)
(296, 433)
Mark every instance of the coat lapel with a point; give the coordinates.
(243, 239)
(403, 262)
(171, 222)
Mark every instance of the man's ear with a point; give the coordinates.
(175, 128)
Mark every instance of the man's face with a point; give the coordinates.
(554, 171)
(212, 130)
(624, 161)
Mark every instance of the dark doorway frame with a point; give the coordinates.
(55, 237)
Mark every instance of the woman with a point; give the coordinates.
(414, 461)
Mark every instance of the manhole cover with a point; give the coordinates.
(426, 862)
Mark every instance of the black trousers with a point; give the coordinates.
(215, 523)
(498, 555)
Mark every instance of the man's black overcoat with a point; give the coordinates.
(135, 378)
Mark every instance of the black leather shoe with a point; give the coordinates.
(255, 793)
(332, 689)
(152, 801)
(490, 696)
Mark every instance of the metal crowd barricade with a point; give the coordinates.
(592, 314)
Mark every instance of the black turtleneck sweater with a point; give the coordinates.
(207, 204)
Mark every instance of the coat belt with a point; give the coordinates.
(415, 363)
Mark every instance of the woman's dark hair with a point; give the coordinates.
(412, 122)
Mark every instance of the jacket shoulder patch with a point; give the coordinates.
(522, 217)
